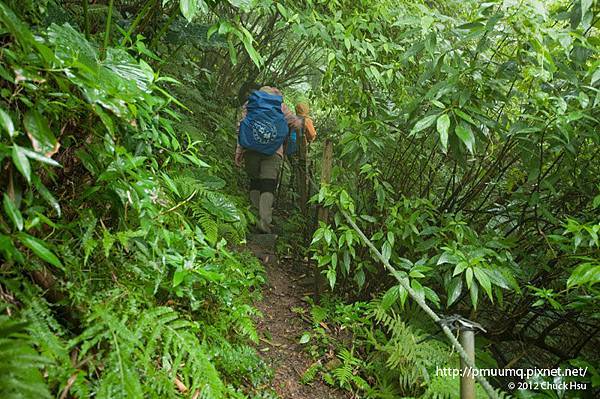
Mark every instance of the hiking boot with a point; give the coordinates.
(264, 228)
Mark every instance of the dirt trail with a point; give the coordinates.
(280, 328)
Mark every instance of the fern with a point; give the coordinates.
(347, 374)
(209, 225)
(20, 363)
(147, 353)
(310, 374)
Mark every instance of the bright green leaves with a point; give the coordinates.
(20, 160)
(305, 338)
(346, 201)
(178, 276)
(220, 206)
(246, 37)
(465, 134)
(586, 274)
(545, 296)
(395, 293)
(443, 124)
(484, 281)
(424, 123)
(463, 130)
(454, 290)
(11, 209)
(7, 123)
(42, 139)
(191, 8)
(595, 74)
(232, 32)
(478, 267)
(39, 248)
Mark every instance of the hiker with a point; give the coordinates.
(296, 149)
(264, 127)
(309, 132)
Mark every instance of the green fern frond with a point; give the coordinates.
(20, 363)
(209, 226)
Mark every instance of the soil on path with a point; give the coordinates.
(281, 328)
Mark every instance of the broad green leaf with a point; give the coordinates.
(443, 124)
(585, 6)
(418, 288)
(584, 274)
(484, 281)
(464, 116)
(170, 184)
(471, 26)
(359, 277)
(39, 157)
(596, 75)
(474, 293)
(220, 206)
(328, 235)
(190, 8)
(424, 123)
(460, 267)
(38, 130)
(7, 123)
(305, 338)
(432, 296)
(465, 134)
(454, 290)
(386, 251)
(247, 39)
(13, 212)
(40, 249)
(21, 162)
(469, 276)
(331, 277)
(390, 297)
(178, 276)
(232, 52)
(282, 10)
(403, 295)
(446, 258)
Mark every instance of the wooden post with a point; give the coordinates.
(467, 381)
(323, 213)
(303, 178)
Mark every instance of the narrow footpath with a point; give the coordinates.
(280, 328)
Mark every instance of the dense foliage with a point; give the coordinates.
(468, 143)
(466, 148)
(118, 277)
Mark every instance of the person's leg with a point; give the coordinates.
(269, 170)
(252, 161)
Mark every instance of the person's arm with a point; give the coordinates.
(242, 115)
(292, 120)
(239, 151)
(309, 130)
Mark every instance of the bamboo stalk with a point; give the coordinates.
(108, 24)
(86, 19)
(138, 19)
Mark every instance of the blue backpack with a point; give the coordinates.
(294, 138)
(264, 129)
